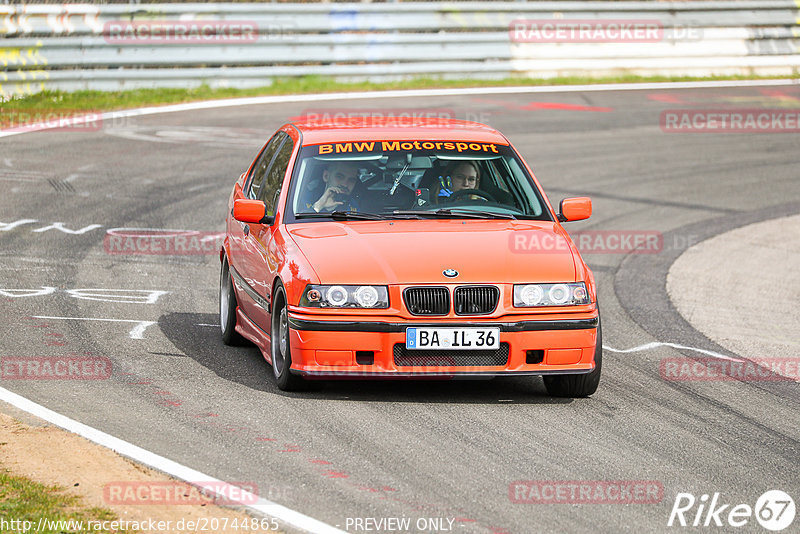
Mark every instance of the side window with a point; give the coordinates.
(262, 165)
(270, 190)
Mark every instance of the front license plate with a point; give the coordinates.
(453, 338)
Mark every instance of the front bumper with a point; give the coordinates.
(330, 347)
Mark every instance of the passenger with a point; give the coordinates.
(339, 178)
(459, 176)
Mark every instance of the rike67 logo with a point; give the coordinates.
(774, 510)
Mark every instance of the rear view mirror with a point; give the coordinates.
(251, 211)
(575, 209)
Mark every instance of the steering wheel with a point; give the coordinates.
(477, 192)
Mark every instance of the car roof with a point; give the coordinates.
(332, 129)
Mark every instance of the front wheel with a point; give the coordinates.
(281, 348)
(578, 385)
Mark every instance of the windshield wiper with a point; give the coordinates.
(478, 214)
(448, 213)
(340, 215)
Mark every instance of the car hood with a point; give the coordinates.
(417, 251)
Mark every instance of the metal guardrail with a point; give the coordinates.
(73, 46)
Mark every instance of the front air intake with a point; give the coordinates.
(427, 300)
(475, 300)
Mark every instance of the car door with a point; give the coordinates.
(265, 235)
(248, 265)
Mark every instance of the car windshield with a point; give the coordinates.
(412, 179)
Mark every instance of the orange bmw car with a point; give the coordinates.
(406, 248)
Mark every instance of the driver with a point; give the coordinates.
(340, 178)
(459, 176)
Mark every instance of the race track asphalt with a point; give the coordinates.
(446, 450)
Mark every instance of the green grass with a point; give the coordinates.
(25, 500)
(60, 101)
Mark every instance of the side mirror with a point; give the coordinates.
(575, 209)
(251, 211)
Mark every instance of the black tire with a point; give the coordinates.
(281, 347)
(227, 308)
(578, 385)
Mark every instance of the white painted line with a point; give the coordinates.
(61, 228)
(179, 471)
(203, 324)
(124, 296)
(12, 179)
(5, 227)
(410, 93)
(656, 344)
(137, 332)
(17, 293)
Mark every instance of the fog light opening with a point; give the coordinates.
(534, 356)
(365, 357)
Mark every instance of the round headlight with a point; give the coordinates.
(531, 295)
(366, 296)
(559, 294)
(579, 294)
(336, 296)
